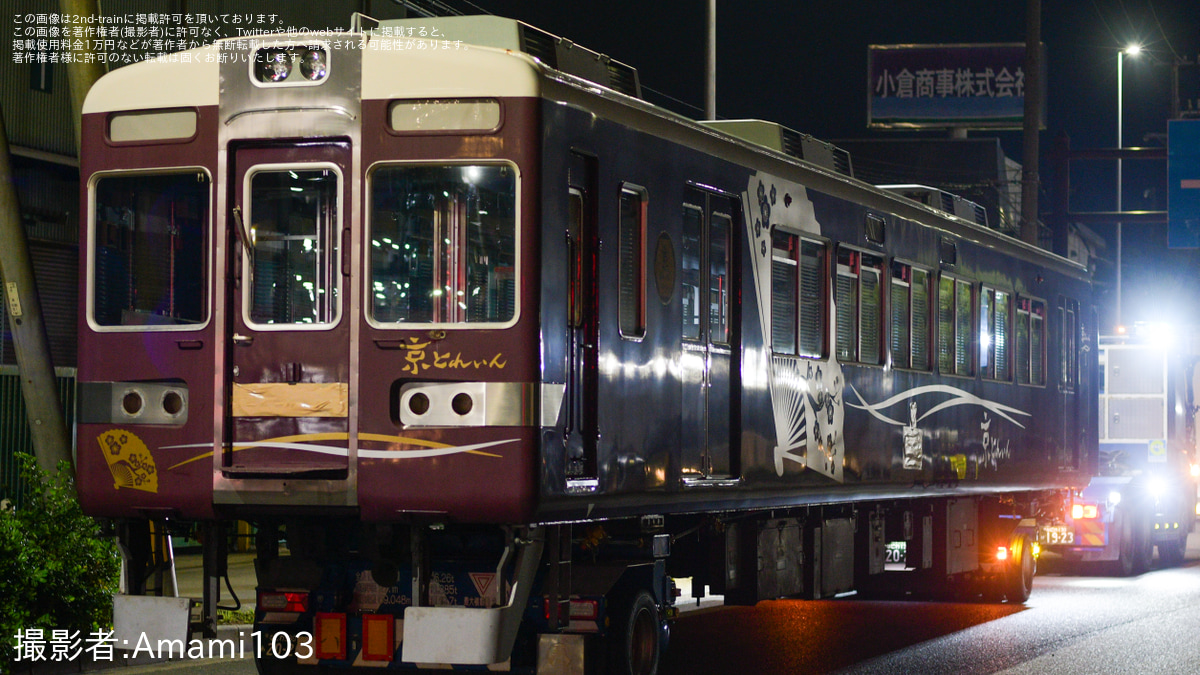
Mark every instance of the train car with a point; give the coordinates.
(489, 350)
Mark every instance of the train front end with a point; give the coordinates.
(309, 289)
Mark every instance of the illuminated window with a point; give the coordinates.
(294, 228)
(443, 244)
(995, 309)
(955, 335)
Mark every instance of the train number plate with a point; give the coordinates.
(1057, 534)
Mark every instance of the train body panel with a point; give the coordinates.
(492, 319)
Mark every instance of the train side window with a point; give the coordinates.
(443, 243)
(149, 234)
(859, 306)
(690, 257)
(848, 263)
(909, 308)
(994, 338)
(632, 262)
(955, 335)
(1031, 333)
(870, 310)
(797, 295)
(784, 292)
(813, 316)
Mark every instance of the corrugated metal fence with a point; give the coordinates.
(14, 429)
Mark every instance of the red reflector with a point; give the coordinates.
(329, 632)
(379, 637)
(283, 602)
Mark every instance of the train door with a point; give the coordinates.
(583, 330)
(1068, 382)
(287, 406)
(710, 335)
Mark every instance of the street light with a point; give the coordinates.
(1130, 50)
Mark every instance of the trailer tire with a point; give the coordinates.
(1018, 583)
(1124, 565)
(635, 642)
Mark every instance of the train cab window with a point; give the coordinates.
(149, 234)
(1068, 310)
(1031, 334)
(443, 243)
(910, 312)
(955, 335)
(859, 306)
(995, 317)
(797, 295)
(632, 262)
(294, 227)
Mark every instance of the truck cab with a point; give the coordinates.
(1144, 496)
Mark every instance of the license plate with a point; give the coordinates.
(1057, 534)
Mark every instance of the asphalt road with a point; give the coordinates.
(1073, 624)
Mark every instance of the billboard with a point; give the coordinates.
(940, 86)
(1183, 183)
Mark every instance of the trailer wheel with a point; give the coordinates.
(1018, 583)
(635, 638)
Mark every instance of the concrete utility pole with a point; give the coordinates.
(1032, 122)
(710, 63)
(81, 75)
(48, 427)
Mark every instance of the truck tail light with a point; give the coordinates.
(283, 601)
(1085, 511)
(329, 633)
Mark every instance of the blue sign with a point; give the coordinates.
(1183, 184)
(938, 86)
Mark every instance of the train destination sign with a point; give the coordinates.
(938, 86)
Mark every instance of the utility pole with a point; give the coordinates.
(43, 410)
(1032, 122)
(710, 63)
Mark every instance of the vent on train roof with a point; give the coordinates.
(942, 201)
(785, 140)
(493, 31)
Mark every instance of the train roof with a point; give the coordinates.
(514, 59)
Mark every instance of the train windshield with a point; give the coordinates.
(443, 244)
(148, 238)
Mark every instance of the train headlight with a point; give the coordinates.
(313, 64)
(272, 65)
(290, 65)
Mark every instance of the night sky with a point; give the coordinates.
(803, 64)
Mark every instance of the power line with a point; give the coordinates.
(1161, 31)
